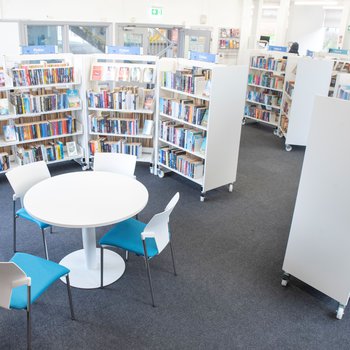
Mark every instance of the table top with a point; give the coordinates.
(85, 199)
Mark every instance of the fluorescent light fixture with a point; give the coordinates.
(333, 7)
(316, 3)
(270, 7)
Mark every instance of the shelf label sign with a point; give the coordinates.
(277, 48)
(338, 51)
(310, 53)
(203, 56)
(156, 11)
(38, 49)
(124, 50)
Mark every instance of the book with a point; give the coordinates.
(135, 74)
(73, 98)
(147, 127)
(4, 106)
(10, 132)
(4, 161)
(2, 78)
(96, 72)
(109, 73)
(148, 99)
(148, 75)
(123, 74)
(72, 150)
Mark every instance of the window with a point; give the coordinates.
(74, 37)
(45, 35)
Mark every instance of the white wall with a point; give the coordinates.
(9, 38)
(219, 12)
(305, 27)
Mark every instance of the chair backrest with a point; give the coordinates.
(24, 177)
(11, 276)
(119, 163)
(159, 224)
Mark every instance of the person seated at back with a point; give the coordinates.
(294, 48)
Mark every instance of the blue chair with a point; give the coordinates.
(21, 180)
(143, 240)
(24, 279)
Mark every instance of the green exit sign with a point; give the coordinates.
(156, 11)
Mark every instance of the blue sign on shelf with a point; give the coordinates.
(338, 51)
(203, 56)
(310, 53)
(277, 48)
(124, 50)
(38, 49)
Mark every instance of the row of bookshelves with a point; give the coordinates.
(133, 105)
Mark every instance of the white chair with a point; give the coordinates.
(143, 240)
(24, 279)
(21, 180)
(119, 163)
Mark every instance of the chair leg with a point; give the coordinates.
(148, 271)
(29, 319)
(14, 226)
(45, 245)
(70, 298)
(172, 257)
(51, 229)
(101, 266)
(126, 255)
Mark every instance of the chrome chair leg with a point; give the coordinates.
(14, 226)
(126, 255)
(45, 245)
(70, 298)
(101, 266)
(29, 319)
(172, 257)
(148, 271)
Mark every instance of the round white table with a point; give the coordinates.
(87, 200)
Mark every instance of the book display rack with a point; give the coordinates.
(265, 88)
(121, 105)
(40, 109)
(197, 122)
(304, 79)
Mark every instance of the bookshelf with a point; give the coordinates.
(304, 79)
(199, 111)
(265, 88)
(121, 105)
(228, 45)
(41, 109)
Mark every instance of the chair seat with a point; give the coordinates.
(127, 235)
(25, 215)
(42, 273)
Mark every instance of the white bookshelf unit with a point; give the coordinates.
(265, 88)
(318, 246)
(41, 109)
(121, 101)
(304, 79)
(200, 109)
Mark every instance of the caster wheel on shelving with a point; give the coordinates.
(284, 283)
(280, 134)
(340, 312)
(151, 169)
(230, 187)
(275, 132)
(160, 173)
(84, 167)
(202, 198)
(243, 121)
(288, 148)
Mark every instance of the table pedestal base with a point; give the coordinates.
(82, 277)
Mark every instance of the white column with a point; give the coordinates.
(89, 244)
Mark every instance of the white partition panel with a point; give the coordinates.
(318, 246)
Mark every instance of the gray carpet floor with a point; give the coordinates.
(229, 252)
